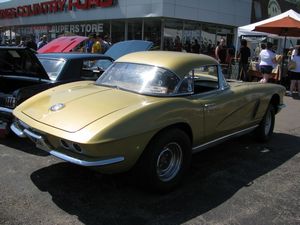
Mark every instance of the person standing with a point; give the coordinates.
(244, 55)
(187, 46)
(177, 44)
(30, 43)
(195, 47)
(295, 73)
(43, 41)
(221, 52)
(267, 58)
(22, 42)
(90, 43)
(97, 47)
(106, 43)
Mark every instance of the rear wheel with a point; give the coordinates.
(266, 126)
(165, 160)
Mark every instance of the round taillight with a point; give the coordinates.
(77, 148)
(64, 144)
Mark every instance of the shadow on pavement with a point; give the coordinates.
(215, 176)
(22, 144)
(297, 97)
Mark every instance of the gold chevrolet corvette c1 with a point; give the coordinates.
(149, 112)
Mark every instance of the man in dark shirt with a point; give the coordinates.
(244, 55)
(31, 44)
(221, 52)
(195, 47)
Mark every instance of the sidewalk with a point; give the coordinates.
(288, 120)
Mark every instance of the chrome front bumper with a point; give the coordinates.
(6, 110)
(41, 143)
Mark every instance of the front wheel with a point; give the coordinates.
(265, 129)
(165, 160)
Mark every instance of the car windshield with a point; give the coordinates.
(53, 67)
(144, 79)
(103, 64)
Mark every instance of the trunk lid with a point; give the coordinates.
(80, 106)
(16, 62)
(62, 44)
(125, 47)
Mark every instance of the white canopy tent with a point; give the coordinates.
(247, 30)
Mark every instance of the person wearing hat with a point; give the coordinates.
(42, 42)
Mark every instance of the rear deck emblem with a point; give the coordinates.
(57, 107)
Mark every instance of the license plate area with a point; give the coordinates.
(40, 141)
(41, 144)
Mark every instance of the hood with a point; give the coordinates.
(19, 61)
(80, 105)
(62, 44)
(125, 47)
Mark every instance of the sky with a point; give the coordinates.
(4, 1)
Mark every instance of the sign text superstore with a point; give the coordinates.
(53, 6)
(77, 28)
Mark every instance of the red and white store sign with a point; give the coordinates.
(48, 7)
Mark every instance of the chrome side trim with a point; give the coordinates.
(221, 139)
(17, 130)
(87, 163)
(6, 110)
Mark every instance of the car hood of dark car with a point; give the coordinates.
(125, 47)
(21, 62)
(62, 44)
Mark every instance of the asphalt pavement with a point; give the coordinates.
(238, 182)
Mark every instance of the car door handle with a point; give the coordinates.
(209, 106)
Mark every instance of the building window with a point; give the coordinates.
(134, 30)
(173, 32)
(117, 31)
(208, 39)
(191, 37)
(152, 31)
(106, 29)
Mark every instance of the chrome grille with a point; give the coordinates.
(10, 102)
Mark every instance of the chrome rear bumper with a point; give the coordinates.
(80, 162)
(6, 110)
(42, 144)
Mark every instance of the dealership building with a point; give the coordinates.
(157, 20)
(160, 21)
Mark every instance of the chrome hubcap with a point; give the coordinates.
(268, 122)
(169, 162)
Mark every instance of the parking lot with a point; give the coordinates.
(238, 182)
